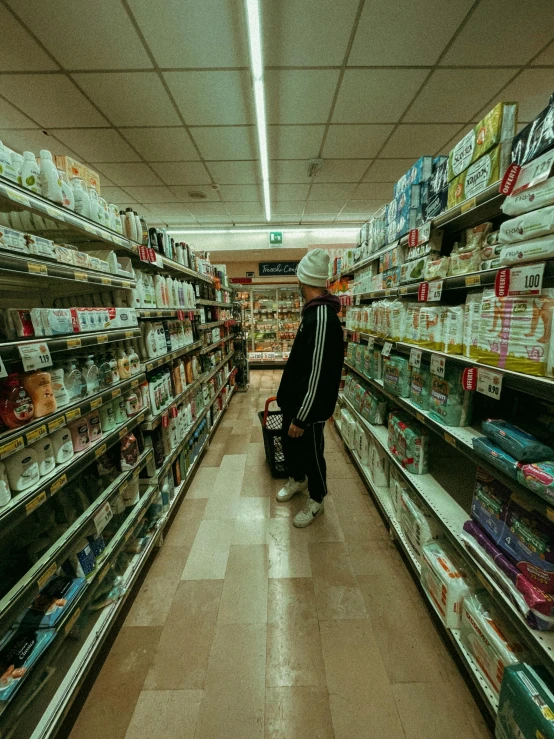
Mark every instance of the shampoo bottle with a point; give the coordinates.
(30, 172)
(50, 181)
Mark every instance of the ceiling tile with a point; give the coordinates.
(130, 98)
(288, 171)
(417, 139)
(240, 192)
(207, 98)
(340, 191)
(388, 170)
(183, 193)
(176, 32)
(95, 35)
(137, 175)
(373, 191)
(319, 218)
(152, 194)
(288, 207)
(294, 142)
(299, 95)
(289, 192)
(138, 207)
(175, 210)
(353, 218)
(236, 173)
(162, 144)
(18, 51)
(50, 99)
(514, 33)
(403, 32)
(226, 142)
(324, 206)
(455, 94)
(531, 89)
(342, 170)
(182, 173)
(203, 210)
(352, 142)
(97, 144)
(10, 117)
(246, 209)
(547, 56)
(114, 194)
(376, 95)
(298, 33)
(33, 140)
(365, 207)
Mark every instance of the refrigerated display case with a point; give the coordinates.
(271, 316)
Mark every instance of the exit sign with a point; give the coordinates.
(275, 237)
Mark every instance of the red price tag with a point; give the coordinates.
(510, 178)
(151, 254)
(469, 378)
(502, 283)
(181, 315)
(165, 421)
(143, 253)
(534, 172)
(423, 292)
(413, 237)
(191, 315)
(174, 413)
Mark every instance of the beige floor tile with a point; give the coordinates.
(249, 532)
(171, 714)
(255, 455)
(256, 434)
(110, 704)
(298, 713)
(234, 697)
(184, 527)
(214, 455)
(224, 499)
(336, 590)
(289, 561)
(337, 466)
(361, 698)
(253, 508)
(202, 483)
(208, 556)
(238, 443)
(294, 655)
(181, 659)
(326, 527)
(244, 597)
(258, 483)
(291, 599)
(289, 509)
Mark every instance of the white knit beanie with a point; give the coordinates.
(313, 268)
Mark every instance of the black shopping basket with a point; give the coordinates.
(272, 422)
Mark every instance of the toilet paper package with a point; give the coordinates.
(449, 403)
(538, 477)
(420, 388)
(379, 465)
(396, 376)
(418, 172)
(528, 226)
(495, 456)
(408, 442)
(472, 316)
(453, 329)
(443, 582)
(481, 174)
(435, 205)
(526, 708)
(532, 198)
(520, 444)
(528, 251)
(536, 138)
(488, 639)
(417, 523)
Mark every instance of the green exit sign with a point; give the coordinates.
(275, 237)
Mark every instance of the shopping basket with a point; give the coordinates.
(272, 422)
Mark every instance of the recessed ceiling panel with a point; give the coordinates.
(416, 140)
(189, 193)
(294, 142)
(236, 173)
(531, 89)
(98, 144)
(289, 192)
(152, 194)
(240, 192)
(342, 170)
(287, 207)
(137, 175)
(336, 191)
(19, 52)
(162, 144)
(324, 206)
(182, 173)
(352, 142)
(226, 142)
(387, 170)
(207, 98)
(373, 191)
(299, 95)
(10, 117)
(288, 171)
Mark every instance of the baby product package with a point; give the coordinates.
(528, 251)
(489, 504)
(420, 388)
(379, 465)
(488, 639)
(437, 269)
(453, 329)
(430, 327)
(52, 602)
(464, 261)
(532, 198)
(514, 333)
(20, 648)
(443, 582)
(536, 138)
(412, 331)
(396, 376)
(376, 364)
(521, 445)
(526, 709)
(449, 403)
(395, 317)
(472, 315)
(528, 226)
(481, 174)
(374, 408)
(417, 523)
(396, 487)
(538, 477)
(408, 441)
(495, 456)
(414, 270)
(363, 447)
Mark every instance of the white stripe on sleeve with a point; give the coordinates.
(317, 361)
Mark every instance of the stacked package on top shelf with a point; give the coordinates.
(536, 138)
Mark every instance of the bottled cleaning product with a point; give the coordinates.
(134, 361)
(58, 386)
(150, 339)
(138, 227)
(107, 417)
(130, 225)
(118, 224)
(39, 386)
(79, 435)
(22, 469)
(50, 182)
(81, 196)
(16, 406)
(74, 381)
(123, 364)
(104, 210)
(144, 225)
(5, 492)
(45, 455)
(62, 445)
(5, 162)
(91, 374)
(17, 164)
(30, 172)
(94, 426)
(118, 405)
(68, 198)
(96, 214)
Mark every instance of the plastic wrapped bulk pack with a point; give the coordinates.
(396, 320)
(517, 442)
(472, 316)
(436, 269)
(374, 408)
(495, 456)
(483, 173)
(538, 477)
(453, 329)
(379, 465)
(462, 262)
(412, 331)
(396, 376)
(489, 504)
(345, 417)
(491, 643)
(536, 137)
(351, 426)
(420, 388)
(364, 448)
(528, 251)
(396, 487)
(417, 523)
(526, 708)
(528, 226)
(443, 582)
(449, 403)
(408, 441)
(376, 364)
(535, 197)
(430, 327)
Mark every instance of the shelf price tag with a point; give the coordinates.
(468, 205)
(415, 358)
(387, 348)
(73, 343)
(37, 269)
(489, 383)
(469, 378)
(103, 517)
(438, 365)
(43, 579)
(35, 503)
(143, 253)
(525, 280)
(80, 276)
(35, 355)
(36, 434)
(430, 292)
(17, 197)
(534, 172)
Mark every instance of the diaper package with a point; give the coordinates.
(363, 446)
(489, 504)
(528, 251)
(379, 465)
(538, 477)
(414, 271)
(436, 269)
(417, 523)
(396, 376)
(528, 226)
(521, 445)
(376, 363)
(526, 708)
(453, 329)
(346, 425)
(484, 172)
(374, 408)
(408, 441)
(464, 261)
(430, 327)
(412, 332)
(449, 403)
(535, 197)
(443, 582)
(420, 388)
(491, 643)
(395, 320)
(472, 315)
(397, 486)
(495, 456)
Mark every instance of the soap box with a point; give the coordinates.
(526, 708)
(484, 172)
(40, 247)
(418, 172)
(497, 126)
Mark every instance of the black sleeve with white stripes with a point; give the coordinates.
(303, 415)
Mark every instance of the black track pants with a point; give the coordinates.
(304, 456)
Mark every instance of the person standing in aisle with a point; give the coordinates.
(309, 387)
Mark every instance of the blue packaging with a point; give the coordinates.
(521, 445)
(418, 172)
(407, 199)
(439, 176)
(412, 219)
(392, 211)
(489, 505)
(19, 650)
(436, 204)
(496, 456)
(52, 602)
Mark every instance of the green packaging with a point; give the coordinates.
(359, 356)
(396, 376)
(408, 441)
(366, 369)
(478, 176)
(420, 388)
(376, 364)
(497, 126)
(526, 709)
(374, 408)
(449, 403)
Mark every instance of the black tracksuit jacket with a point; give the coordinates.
(311, 378)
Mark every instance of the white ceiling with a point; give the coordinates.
(157, 96)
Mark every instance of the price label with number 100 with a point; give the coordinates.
(35, 355)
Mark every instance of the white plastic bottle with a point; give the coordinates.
(58, 386)
(134, 361)
(103, 207)
(118, 225)
(94, 206)
(68, 198)
(150, 338)
(62, 445)
(30, 172)
(159, 284)
(50, 181)
(5, 163)
(5, 492)
(45, 455)
(130, 224)
(22, 469)
(17, 163)
(138, 227)
(82, 198)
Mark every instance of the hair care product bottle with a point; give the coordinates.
(144, 226)
(5, 492)
(39, 386)
(45, 455)
(16, 406)
(130, 225)
(58, 386)
(81, 197)
(68, 198)
(138, 227)
(22, 469)
(118, 223)
(62, 445)
(94, 426)
(50, 181)
(79, 434)
(107, 418)
(103, 207)
(30, 172)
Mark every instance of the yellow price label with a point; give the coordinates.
(96, 403)
(12, 446)
(71, 623)
(123, 432)
(73, 343)
(473, 280)
(100, 451)
(36, 434)
(125, 283)
(81, 276)
(73, 414)
(102, 338)
(116, 393)
(43, 579)
(58, 484)
(129, 334)
(468, 205)
(17, 196)
(105, 281)
(56, 424)
(134, 384)
(450, 440)
(37, 269)
(35, 503)
(420, 417)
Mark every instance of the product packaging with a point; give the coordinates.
(39, 247)
(528, 226)
(52, 602)
(462, 262)
(20, 648)
(417, 523)
(532, 198)
(495, 456)
(526, 708)
(418, 172)
(472, 316)
(12, 240)
(453, 329)
(408, 441)
(420, 388)
(538, 477)
(536, 138)
(443, 582)
(449, 403)
(520, 444)
(528, 251)
(436, 269)
(481, 174)
(430, 327)
(396, 376)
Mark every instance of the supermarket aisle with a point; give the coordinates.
(247, 628)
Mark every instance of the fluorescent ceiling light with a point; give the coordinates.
(257, 67)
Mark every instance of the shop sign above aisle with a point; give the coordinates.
(277, 269)
(275, 238)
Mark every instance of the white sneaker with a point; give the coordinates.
(291, 488)
(308, 514)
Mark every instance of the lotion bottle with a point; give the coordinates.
(45, 455)
(62, 445)
(16, 406)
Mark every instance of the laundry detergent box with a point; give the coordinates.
(497, 126)
(443, 581)
(481, 174)
(419, 172)
(526, 707)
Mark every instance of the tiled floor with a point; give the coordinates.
(247, 628)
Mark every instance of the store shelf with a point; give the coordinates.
(12, 441)
(209, 348)
(213, 324)
(216, 369)
(216, 303)
(483, 207)
(165, 358)
(161, 313)
(153, 421)
(24, 503)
